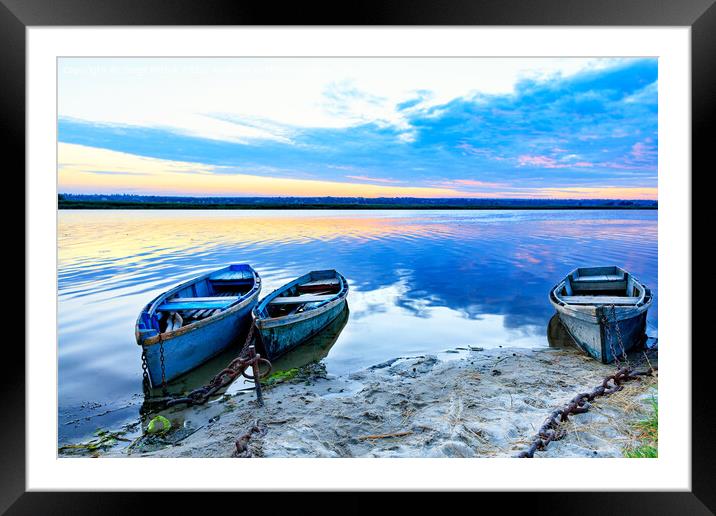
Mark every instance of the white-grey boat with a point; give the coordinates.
(603, 309)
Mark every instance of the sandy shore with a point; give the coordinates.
(471, 403)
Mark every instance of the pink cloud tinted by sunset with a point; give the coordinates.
(643, 150)
(374, 179)
(549, 162)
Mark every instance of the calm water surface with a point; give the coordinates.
(421, 282)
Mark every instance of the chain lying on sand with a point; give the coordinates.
(551, 429)
(242, 443)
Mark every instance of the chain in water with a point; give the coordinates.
(237, 367)
(145, 374)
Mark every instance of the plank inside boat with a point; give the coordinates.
(298, 310)
(197, 319)
(290, 300)
(603, 309)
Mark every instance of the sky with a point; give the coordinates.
(371, 127)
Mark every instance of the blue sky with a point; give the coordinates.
(421, 127)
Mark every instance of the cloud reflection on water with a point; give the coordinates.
(421, 282)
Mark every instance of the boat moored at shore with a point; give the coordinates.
(196, 320)
(603, 309)
(299, 310)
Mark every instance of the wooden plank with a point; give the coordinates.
(578, 286)
(198, 299)
(301, 299)
(594, 271)
(189, 305)
(196, 303)
(328, 281)
(600, 300)
(602, 277)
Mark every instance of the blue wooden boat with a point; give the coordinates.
(196, 320)
(299, 310)
(316, 348)
(603, 309)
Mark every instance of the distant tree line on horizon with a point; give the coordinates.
(130, 201)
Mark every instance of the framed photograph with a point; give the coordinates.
(417, 250)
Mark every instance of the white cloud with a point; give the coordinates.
(240, 99)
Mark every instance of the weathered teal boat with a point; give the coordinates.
(299, 310)
(196, 320)
(316, 348)
(603, 309)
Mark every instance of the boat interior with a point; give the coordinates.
(600, 285)
(204, 298)
(315, 291)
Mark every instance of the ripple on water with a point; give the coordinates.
(421, 281)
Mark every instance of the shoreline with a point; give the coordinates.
(482, 403)
(417, 207)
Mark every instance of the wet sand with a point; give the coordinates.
(468, 403)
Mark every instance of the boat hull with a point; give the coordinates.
(600, 339)
(196, 341)
(279, 338)
(184, 351)
(603, 309)
(315, 348)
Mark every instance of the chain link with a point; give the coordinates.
(237, 367)
(551, 429)
(146, 386)
(604, 319)
(165, 391)
(619, 334)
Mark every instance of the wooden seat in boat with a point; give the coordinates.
(600, 300)
(290, 300)
(196, 303)
(321, 285)
(603, 277)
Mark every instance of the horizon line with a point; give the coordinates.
(468, 199)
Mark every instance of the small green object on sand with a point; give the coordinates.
(159, 425)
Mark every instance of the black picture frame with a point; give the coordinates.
(699, 15)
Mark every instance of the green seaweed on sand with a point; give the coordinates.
(104, 439)
(648, 435)
(307, 374)
(281, 376)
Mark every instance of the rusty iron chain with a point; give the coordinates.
(619, 334)
(146, 385)
(165, 391)
(249, 338)
(242, 443)
(246, 358)
(551, 429)
(604, 319)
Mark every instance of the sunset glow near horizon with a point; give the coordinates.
(368, 127)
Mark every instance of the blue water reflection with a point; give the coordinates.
(421, 281)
